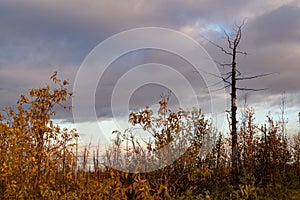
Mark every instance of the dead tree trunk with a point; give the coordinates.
(234, 138)
(231, 78)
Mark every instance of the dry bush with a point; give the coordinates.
(35, 153)
(37, 159)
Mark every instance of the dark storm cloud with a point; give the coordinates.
(37, 33)
(279, 26)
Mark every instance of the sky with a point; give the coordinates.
(40, 37)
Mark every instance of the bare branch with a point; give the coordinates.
(227, 86)
(224, 79)
(239, 73)
(217, 83)
(228, 40)
(218, 46)
(226, 74)
(251, 89)
(223, 64)
(256, 76)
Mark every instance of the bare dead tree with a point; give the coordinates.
(231, 79)
(283, 121)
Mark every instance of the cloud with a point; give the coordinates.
(279, 26)
(39, 37)
(273, 43)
